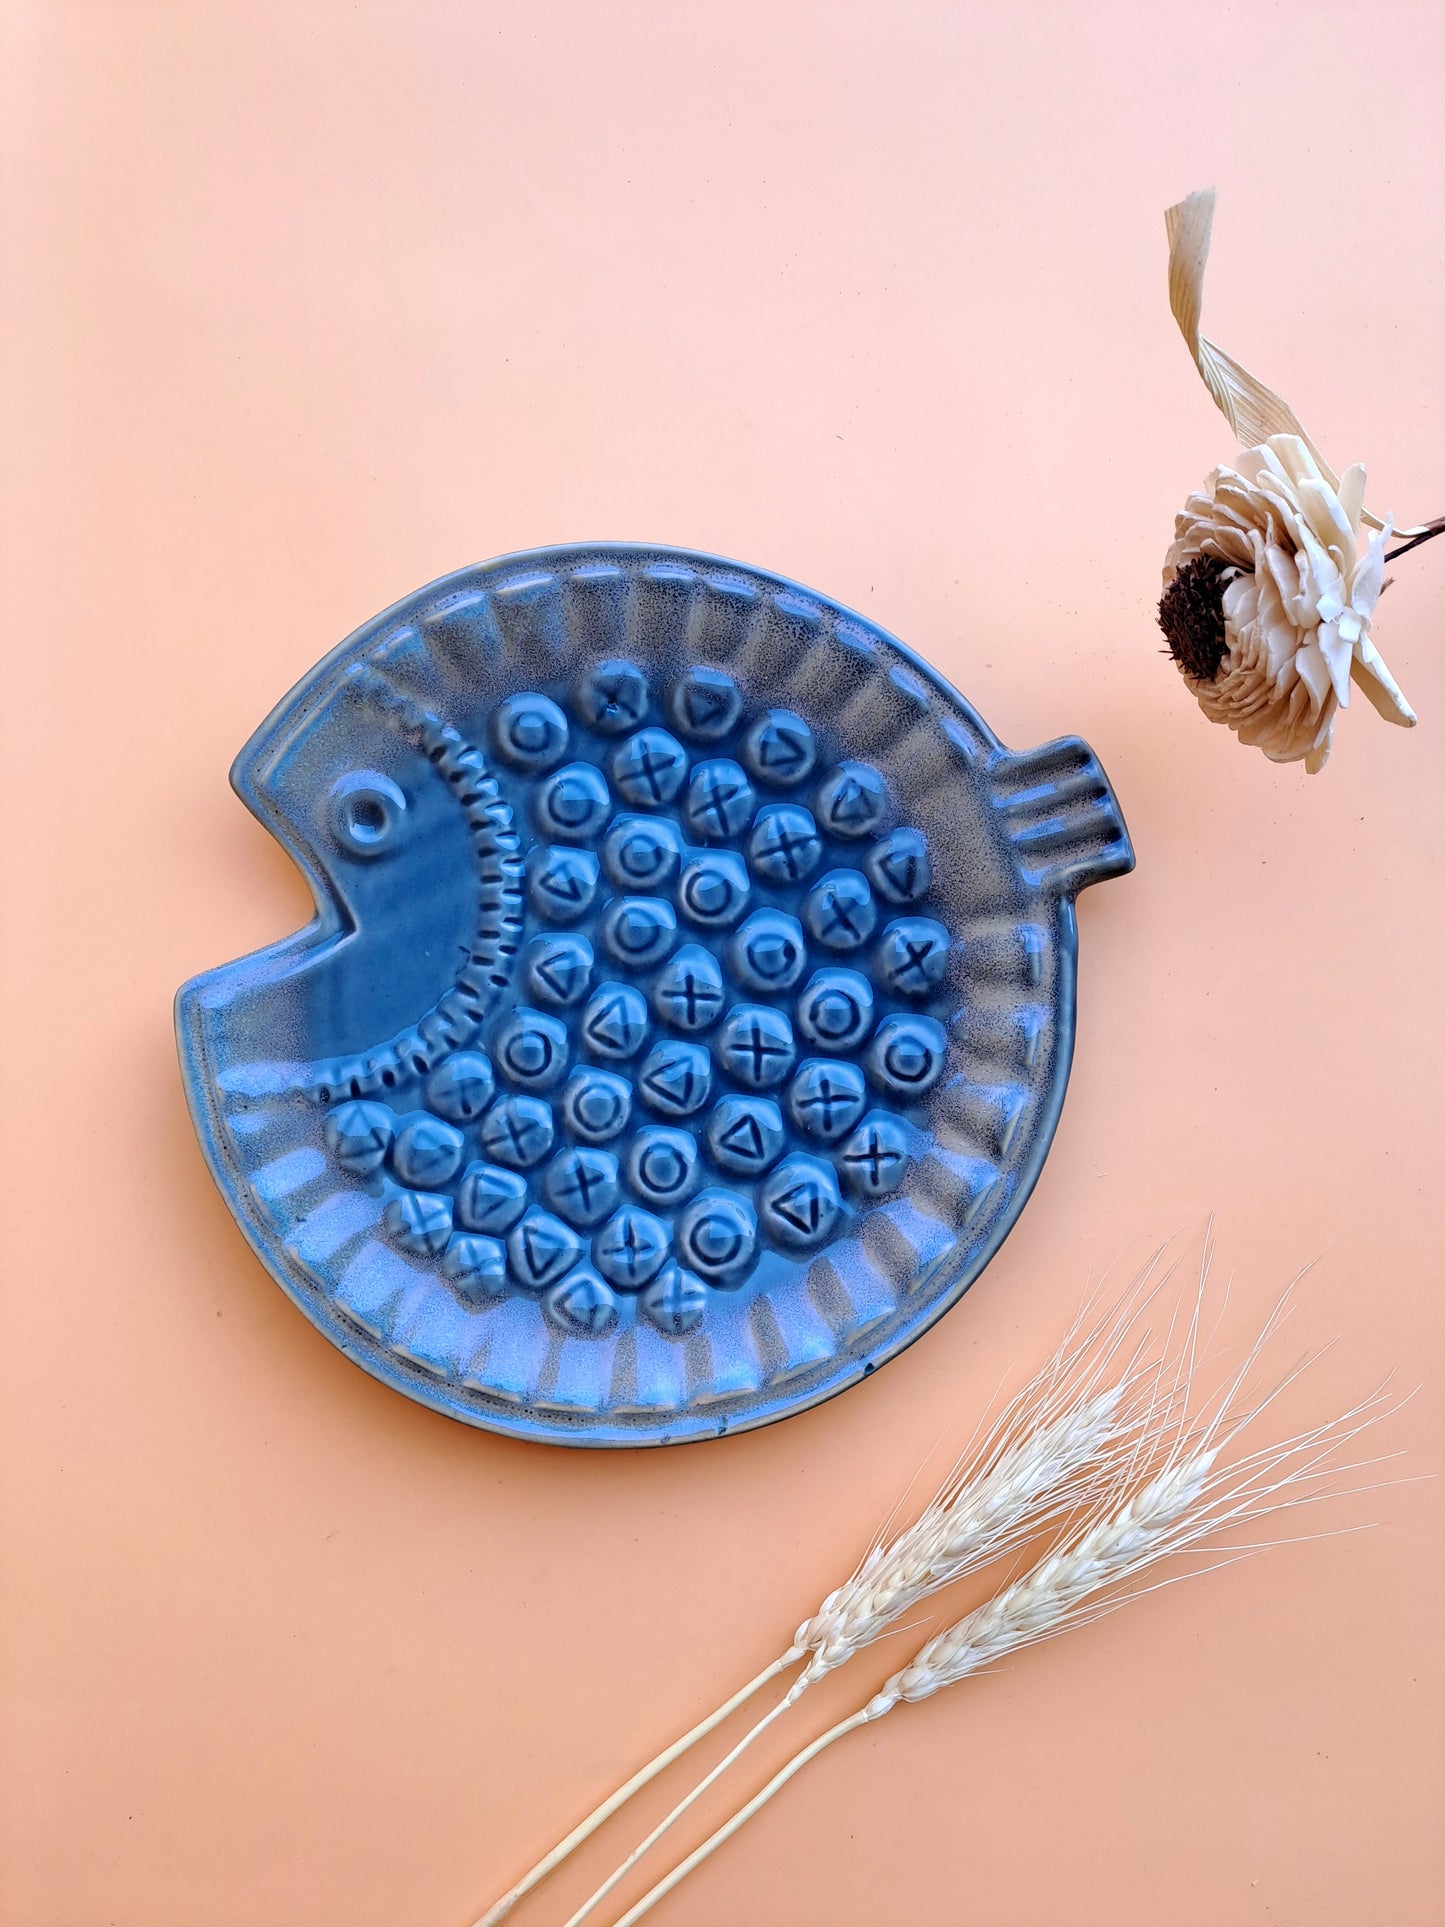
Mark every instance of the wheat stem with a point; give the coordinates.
(586, 1828)
(745, 1813)
(690, 1799)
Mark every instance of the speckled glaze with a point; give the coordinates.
(688, 1007)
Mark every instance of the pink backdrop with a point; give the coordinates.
(309, 304)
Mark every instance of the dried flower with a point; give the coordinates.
(1271, 581)
(1269, 588)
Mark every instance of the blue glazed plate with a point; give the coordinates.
(689, 1002)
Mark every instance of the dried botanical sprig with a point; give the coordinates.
(1034, 1478)
(1173, 1496)
(1032, 1466)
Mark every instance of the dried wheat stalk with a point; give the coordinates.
(1035, 1479)
(1032, 1466)
(1169, 1495)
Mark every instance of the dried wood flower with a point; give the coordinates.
(1269, 589)
(1271, 582)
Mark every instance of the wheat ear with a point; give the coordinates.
(1184, 1502)
(1022, 1472)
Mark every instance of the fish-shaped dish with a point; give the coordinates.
(688, 1006)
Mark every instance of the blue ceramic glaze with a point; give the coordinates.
(688, 1007)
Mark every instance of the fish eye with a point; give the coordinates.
(366, 810)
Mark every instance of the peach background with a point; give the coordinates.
(309, 304)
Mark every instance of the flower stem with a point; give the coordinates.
(586, 1828)
(1428, 534)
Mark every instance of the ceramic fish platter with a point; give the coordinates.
(688, 1006)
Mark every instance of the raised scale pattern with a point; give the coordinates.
(688, 1008)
